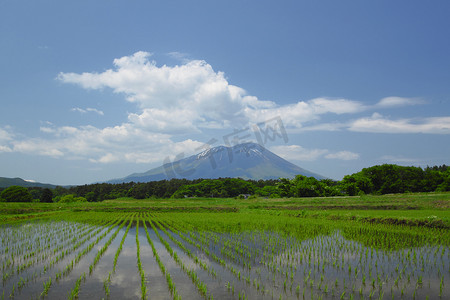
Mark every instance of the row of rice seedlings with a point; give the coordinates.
(119, 249)
(69, 267)
(255, 281)
(47, 285)
(203, 243)
(234, 271)
(201, 286)
(30, 250)
(21, 237)
(73, 294)
(251, 276)
(42, 256)
(43, 270)
(78, 242)
(52, 233)
(111, 225)
(223, 263)
(107, 280)
(170, 283)
(29, 235)
(377, 277)
(328, 265)
(284, 265)
(372, 268)
(188, 252)
(141, 270)
(240, 253)
(102, 250)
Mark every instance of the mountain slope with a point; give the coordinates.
(247, 161)
(7, 182)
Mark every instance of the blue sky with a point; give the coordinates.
(94, 90)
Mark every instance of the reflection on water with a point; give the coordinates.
(257, 264)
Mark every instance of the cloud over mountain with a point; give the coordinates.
(172, 101)
(194, 96)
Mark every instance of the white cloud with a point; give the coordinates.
(5, 134)
(335, 126)
(89, 109)
(47, 129)
(37, 146)
(398, 101)
(124, 143)
(296, 152)
(188, 98)
(379, 124)
(337, 106)
(299, 153)
(4, 148)
(343, 155)
(197, 95)
(5, 137)
(194, 88)
(158, 120)
(180, 56)
(295, 115)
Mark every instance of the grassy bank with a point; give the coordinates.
(429, 209)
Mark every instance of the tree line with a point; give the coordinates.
(380, 179)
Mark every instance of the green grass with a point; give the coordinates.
(419, 206)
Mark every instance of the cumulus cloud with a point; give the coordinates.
(197, 95)
(191, 97)
(124, 143)
(299, 153)
(174, 121)
(379, 124)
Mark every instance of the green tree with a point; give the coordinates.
(268, 191)
(16, 194)
(47, 196)
(71, 198)
(302, 186)
(284, 187)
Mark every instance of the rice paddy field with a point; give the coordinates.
(381, 247)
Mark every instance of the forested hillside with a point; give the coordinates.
(381, 179)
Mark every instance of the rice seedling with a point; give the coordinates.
(260, 254)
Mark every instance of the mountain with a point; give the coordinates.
(7, 182)
(247, 161)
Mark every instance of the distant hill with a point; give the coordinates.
(247, 161)
(7, 182)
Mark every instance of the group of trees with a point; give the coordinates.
(44, 195)
(221, 188)
(21, 194)
(389, 179)
(381, 179)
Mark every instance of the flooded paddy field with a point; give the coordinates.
(216, 255)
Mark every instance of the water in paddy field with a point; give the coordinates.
(203, 264)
